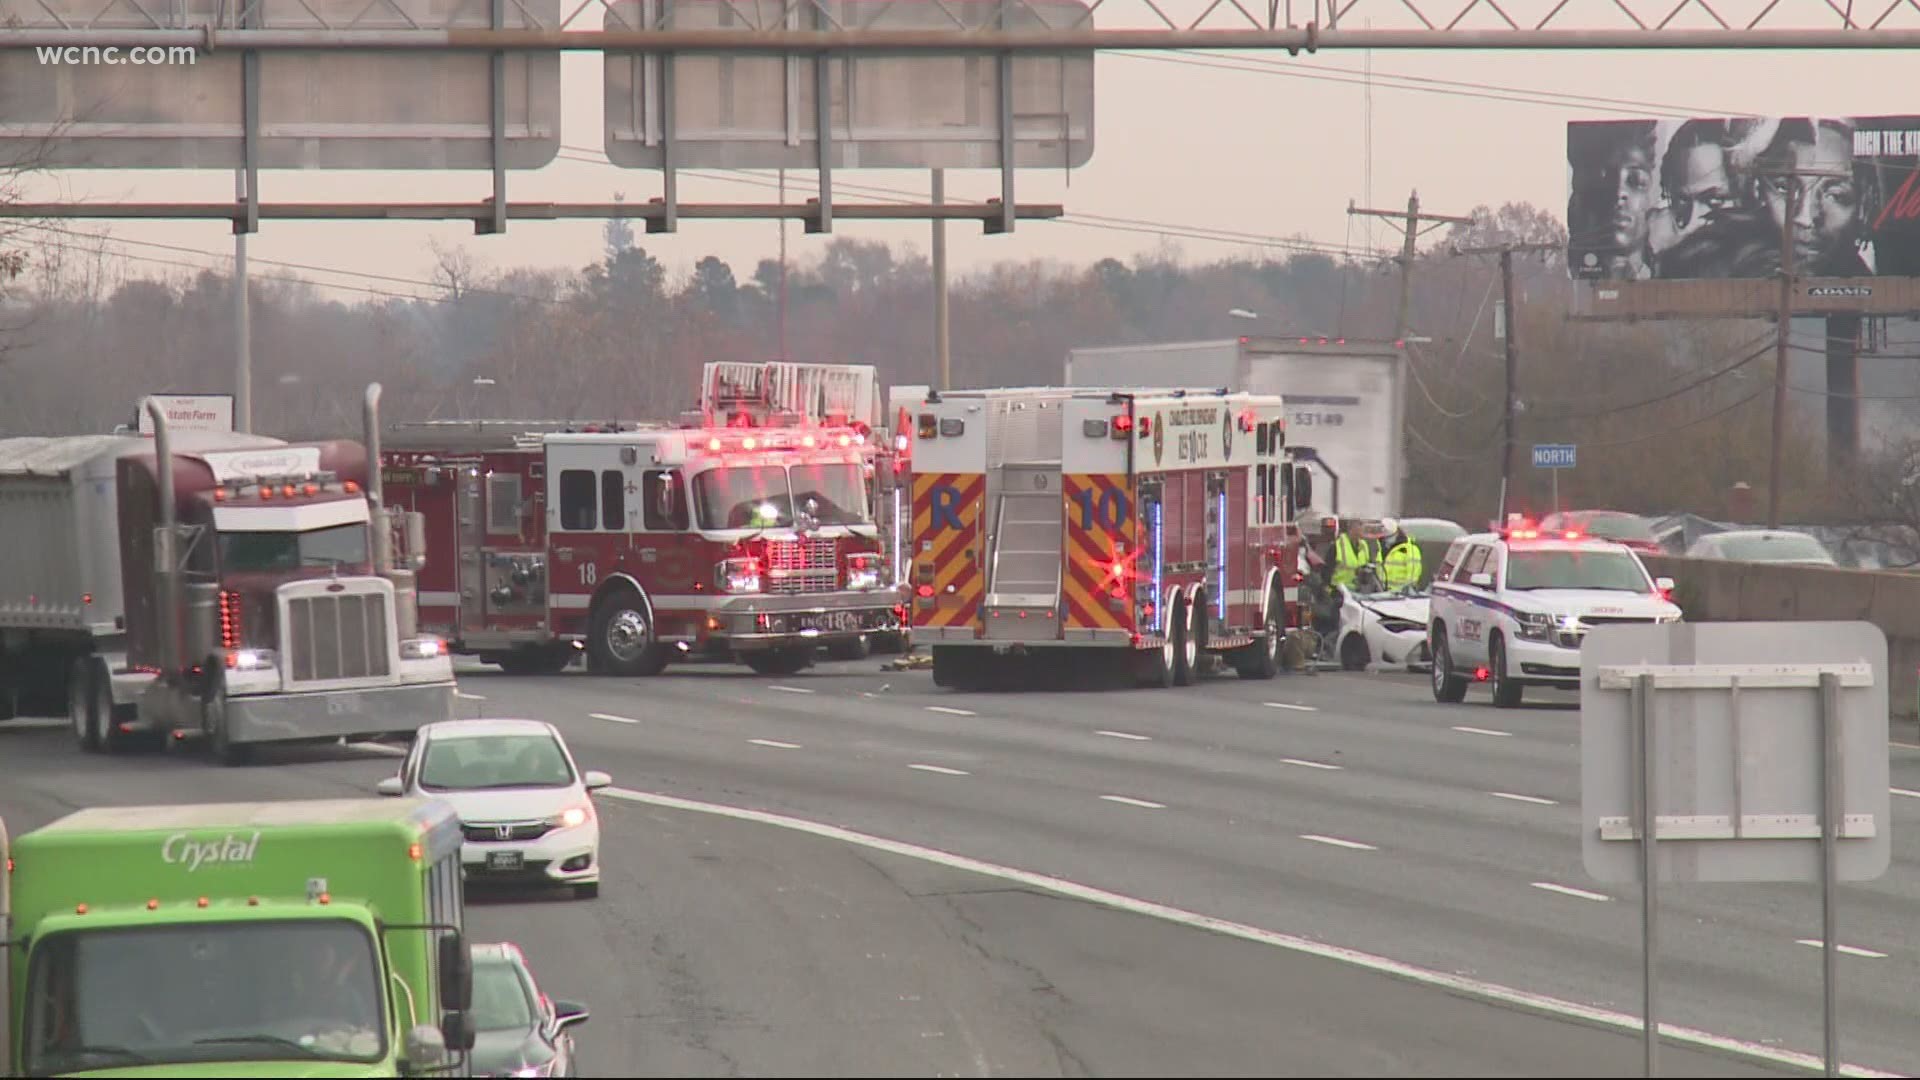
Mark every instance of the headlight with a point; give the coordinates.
(572, 817)
(1536, 626)
(250, 659)
(863, 570)
(422, 648)
(737, 575)
(530, 1070)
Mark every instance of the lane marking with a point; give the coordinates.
(1459, 984)
(1128, 735)
(1135, 802)
(791, 689)
(1568, 890)
(389, 751)
(1337, 842)
(473, 697)
(1901, 745)
(952, 712)
(1285, 705)
(1314, 764)
(1481, 731)
(1535, 799)
(775, 745)
(1848, 949)
(1896, 791)
(612, 719)
(941, 769)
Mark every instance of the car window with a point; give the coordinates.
(1451, 561)
(500, 1001)
(1570, 569)
(1770, 547)
(494, 761)
(1617, 527)
(1476, 561)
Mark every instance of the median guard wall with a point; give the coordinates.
(1715, 590)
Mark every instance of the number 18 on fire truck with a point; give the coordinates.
(645, 544)
(1147, 527)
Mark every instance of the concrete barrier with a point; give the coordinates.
(1718, 590)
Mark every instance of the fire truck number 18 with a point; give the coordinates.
(1193, 446)
(588, 573)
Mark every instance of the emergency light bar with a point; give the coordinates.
(764, 439)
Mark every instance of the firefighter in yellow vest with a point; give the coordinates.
(1402, 567)
(1352, 551)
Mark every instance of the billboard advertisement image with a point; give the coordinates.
(1710, 198)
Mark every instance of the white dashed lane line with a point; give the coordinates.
(1286, 705)
(1896, 791)
(1481, 731)
(1125, 735)
(1535, 799)
(1848, 949)
(1302, 762)
(791, 689)
(612, 719)
(941, 769)
(1568, 890)
(1337, 842)
(1135, 802)
(950, 712)
(775, 745)
(468, 697)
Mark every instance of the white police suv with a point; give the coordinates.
(1511, 608)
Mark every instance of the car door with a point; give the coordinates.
(1467, 637)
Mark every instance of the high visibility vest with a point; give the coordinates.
(1403, 565)
(1349, 557)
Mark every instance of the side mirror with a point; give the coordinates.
(426, 1046)
(1482, 580)
(568, 1013)
(1664, 584)
(1302, 486)
(457, 1031)
(456, 978)
(595, 780)
(390, 785)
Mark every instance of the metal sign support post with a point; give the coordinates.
(1642, 713)
(1830, 825)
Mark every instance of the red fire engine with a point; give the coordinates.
(745, 533)
(1151, 526)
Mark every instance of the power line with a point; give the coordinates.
(1690, 385)
(1669, 429)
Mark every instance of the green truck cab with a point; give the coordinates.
(318, 938)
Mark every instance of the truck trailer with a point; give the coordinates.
(1346, 402)
(242, 592)
(296, 938)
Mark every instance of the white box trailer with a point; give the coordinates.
(1346, 401)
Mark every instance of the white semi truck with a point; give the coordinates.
(1345, 400)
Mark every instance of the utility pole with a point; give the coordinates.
(943, 358)
(1505, 251)
(1413, 224)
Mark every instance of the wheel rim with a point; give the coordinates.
(1499, 666)
(1440, 663)
(1273, 639)
(1166, 649)
(1190, 647)
(627, 635)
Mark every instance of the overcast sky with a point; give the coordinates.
(1256, 144)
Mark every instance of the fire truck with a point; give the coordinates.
(738, 533)
(1146, 526)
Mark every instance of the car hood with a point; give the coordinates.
(1414, 609)
(501, 1053)
(509, 804)
(1584, 602)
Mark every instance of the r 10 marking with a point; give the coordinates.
(588, 573)
(1111, 510)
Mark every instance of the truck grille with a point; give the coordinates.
(339, 636)
(802, 566)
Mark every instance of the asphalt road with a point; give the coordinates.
(1344, 809)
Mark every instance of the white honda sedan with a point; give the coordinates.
(522, 802)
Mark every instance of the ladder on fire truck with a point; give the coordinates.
(818, 393)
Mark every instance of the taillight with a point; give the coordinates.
(924, 591)
(229, 619)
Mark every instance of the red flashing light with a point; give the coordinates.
(1243, 339)
(1400, 344)
(79, 909)
(86, 598)
(1323, 341)
(353, 487)
(1339, 341)
(1306, 341)
(807, 441)
(924, 591)
(220, 494)
(153, 904)
(749, 443)
(1117, 593)
(202, 902)
(414, 851)
(859, 562)
(1123, 422)
(713, 444)
(266, 492)
(311, 489)
(1573, 534)
(287, 490)
(1481, 674)
(847, 440)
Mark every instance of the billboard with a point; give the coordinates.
(190, 412)
(1708, 198)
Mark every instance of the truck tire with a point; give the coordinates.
(82, 702)
(108, 715)
(1261, 660)
(621, 637)
(1448, 688)
(1186, 644)
(213, 720)
(1506, 689)
(1153, 668)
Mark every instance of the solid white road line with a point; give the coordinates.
(956, 712)
(1537, 800)
(1568, 890)
(1896, 791)
(1848, 949)
(389, 751)
(1481, 731)
(1135, 802)
(477, 697)
(1318, 765)
(1458, 984)
(791, 689)
(941, 769)
(612, 719)
(776, 745)
(1285, 705)
(1337, 842)
(1136, 738)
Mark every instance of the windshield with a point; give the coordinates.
(1576, 570)
(336, 546)
(494, 761)
(499, 998)
(1617, 527)
(253, 991)
(1774, 547)
(1432, 532)
(763, 496)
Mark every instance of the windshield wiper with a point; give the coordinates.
(268, 1040)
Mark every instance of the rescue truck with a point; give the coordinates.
(742, 533)
(1148, 526)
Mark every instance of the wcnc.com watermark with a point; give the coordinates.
(85, 55)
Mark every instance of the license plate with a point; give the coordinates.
(505, 860)
(832, 621)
